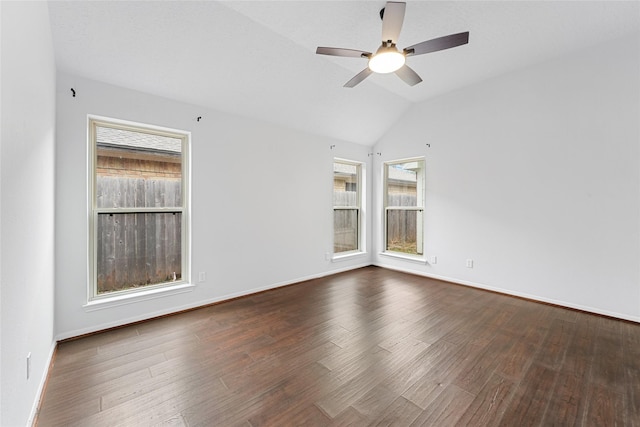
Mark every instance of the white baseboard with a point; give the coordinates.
(532, 297)
(43, 382)
(201, 303)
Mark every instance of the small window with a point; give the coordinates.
(347, 202)
(404, 206)
(139, 222)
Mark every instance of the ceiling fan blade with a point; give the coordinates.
(409, 76)
(337, 51)
(359, 77)
(392, 21)
(440, 43)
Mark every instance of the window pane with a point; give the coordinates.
(136, 169)
(345, 229)
(404, 228)
(402, 181)
(345, 184)
(138, 249)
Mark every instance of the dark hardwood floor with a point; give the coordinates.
(366, 347)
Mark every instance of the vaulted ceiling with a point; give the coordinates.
(257, 58)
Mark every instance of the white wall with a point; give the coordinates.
(261, 202)
(535, 176)
(27, 206)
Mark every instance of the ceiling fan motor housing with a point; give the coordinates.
(387, 59)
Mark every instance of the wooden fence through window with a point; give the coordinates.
(401, 225)
(138, 249)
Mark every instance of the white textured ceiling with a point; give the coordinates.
(257, 58)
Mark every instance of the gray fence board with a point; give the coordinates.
(138, 249)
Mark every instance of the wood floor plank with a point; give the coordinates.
(401, 412)
(309, 415)
(632, 395)
(531, 398)
(374, 402)
(517, 361)
(174, 421)
(567, 407)
(348, 418)
(607, 367)
(72, 397)
(301, 389)
(87, 378)
(440, 376)
(489, 405)
(96, 340)
(631, 340)
(365, 347)
(347, 393)
(554, 347)
(605, 407)
(446, 409)
(74, 409)
(114, 362)
(156, 406)
(353, 360)
(415, 369)
(475, 375)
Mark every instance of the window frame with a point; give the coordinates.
(420, 208)
(359, 208)
(93, 122)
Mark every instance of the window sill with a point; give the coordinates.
(131, 298)
(348, 255)
(412, 258)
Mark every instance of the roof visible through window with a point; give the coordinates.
(125, 139)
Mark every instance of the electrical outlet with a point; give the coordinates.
(433, 259)
(469, 263)
(327, 256)
(28, 365)
(202, 276)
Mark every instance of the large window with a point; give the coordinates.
(347, 202)
(139, 218)
(404, 206)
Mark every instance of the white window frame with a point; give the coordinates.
(359, 207)
(420, 206)
(151, 291)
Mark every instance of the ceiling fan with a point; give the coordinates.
(388, 59)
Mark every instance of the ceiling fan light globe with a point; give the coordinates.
(386, 62)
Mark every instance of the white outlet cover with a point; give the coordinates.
(28, 365)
